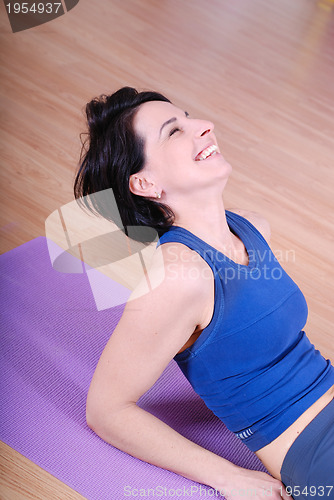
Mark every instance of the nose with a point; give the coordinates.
(204, 127)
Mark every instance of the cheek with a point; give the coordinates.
(163, 164)
(171, 167)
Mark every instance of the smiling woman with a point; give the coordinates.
(182, 160)
(226, 311)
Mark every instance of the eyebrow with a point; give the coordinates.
(171, 120)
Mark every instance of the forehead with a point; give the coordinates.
(151, 116)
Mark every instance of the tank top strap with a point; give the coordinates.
(237, 222)
(178, 234)
(248, 234)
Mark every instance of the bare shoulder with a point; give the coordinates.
(176, 271)
(172, 301)
(183, 267)
(260, 222)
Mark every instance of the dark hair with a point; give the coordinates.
(114, 152)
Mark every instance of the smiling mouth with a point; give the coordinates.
(207, 153)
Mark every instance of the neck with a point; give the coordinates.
(207, 220)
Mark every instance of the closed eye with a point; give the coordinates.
(177, 129)
(174, 130)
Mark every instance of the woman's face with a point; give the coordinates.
(181, 153)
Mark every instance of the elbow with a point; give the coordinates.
(96, 414)
(104, 416)
(93, 417)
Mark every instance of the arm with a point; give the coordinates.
(152, 330)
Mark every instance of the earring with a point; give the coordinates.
(158, 195)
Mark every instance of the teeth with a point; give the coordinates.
(210, 151)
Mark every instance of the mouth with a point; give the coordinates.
(207, 153)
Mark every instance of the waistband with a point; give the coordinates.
(303, 447)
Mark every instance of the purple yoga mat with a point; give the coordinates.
(51, 338)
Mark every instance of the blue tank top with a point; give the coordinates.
(253, 365)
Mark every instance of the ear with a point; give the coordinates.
(138, 184)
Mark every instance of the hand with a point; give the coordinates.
(243, 484)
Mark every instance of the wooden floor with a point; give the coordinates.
(262, 70)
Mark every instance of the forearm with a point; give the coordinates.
(144, 436)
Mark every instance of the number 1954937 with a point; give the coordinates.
(312, 491)
(35, 8)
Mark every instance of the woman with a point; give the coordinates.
(225, 309)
